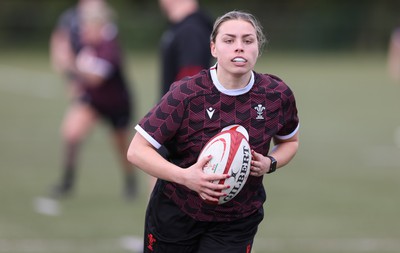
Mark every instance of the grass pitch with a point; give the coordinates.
(339, 194)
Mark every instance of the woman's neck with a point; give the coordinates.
(232, 81)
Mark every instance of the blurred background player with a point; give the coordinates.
(185, 45)
(85, 48)
(65, 43)
(394, 55)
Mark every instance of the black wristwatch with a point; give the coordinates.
(272, 167)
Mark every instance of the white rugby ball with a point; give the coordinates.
(231, 154)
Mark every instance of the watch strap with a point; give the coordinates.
(272, 167)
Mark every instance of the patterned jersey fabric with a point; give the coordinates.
(197, 108)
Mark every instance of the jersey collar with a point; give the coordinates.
(232, 92)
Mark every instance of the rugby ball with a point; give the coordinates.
(237, 128)
(231, 154)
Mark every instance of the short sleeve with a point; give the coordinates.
(164, 120)
(290, 119)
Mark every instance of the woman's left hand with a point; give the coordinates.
(259, 164)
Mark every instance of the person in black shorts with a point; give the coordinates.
(86, 49)
(179, 216)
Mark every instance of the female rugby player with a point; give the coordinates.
(178, 219)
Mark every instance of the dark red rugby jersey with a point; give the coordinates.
(195, 109)
(113, 94)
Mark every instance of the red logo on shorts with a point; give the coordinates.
(248, 249)
(152, 240)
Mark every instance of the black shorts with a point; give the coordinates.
(118, 117)
(169, 230)
(117, 120)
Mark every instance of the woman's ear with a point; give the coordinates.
(213, 51)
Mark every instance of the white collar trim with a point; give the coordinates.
(230, 92)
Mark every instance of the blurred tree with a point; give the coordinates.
(290, 24)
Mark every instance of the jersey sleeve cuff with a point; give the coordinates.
(288, 136)
(147, 136)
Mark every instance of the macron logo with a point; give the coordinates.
(210, 112)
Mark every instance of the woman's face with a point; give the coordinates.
(236, 47)
(166, 5)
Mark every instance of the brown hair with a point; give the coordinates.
(240, 15)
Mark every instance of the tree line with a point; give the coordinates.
(289, 24)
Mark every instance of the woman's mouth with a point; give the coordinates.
(239, 59)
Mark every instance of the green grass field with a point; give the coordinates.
(339, 194)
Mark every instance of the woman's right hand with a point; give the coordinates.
(202, 183)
